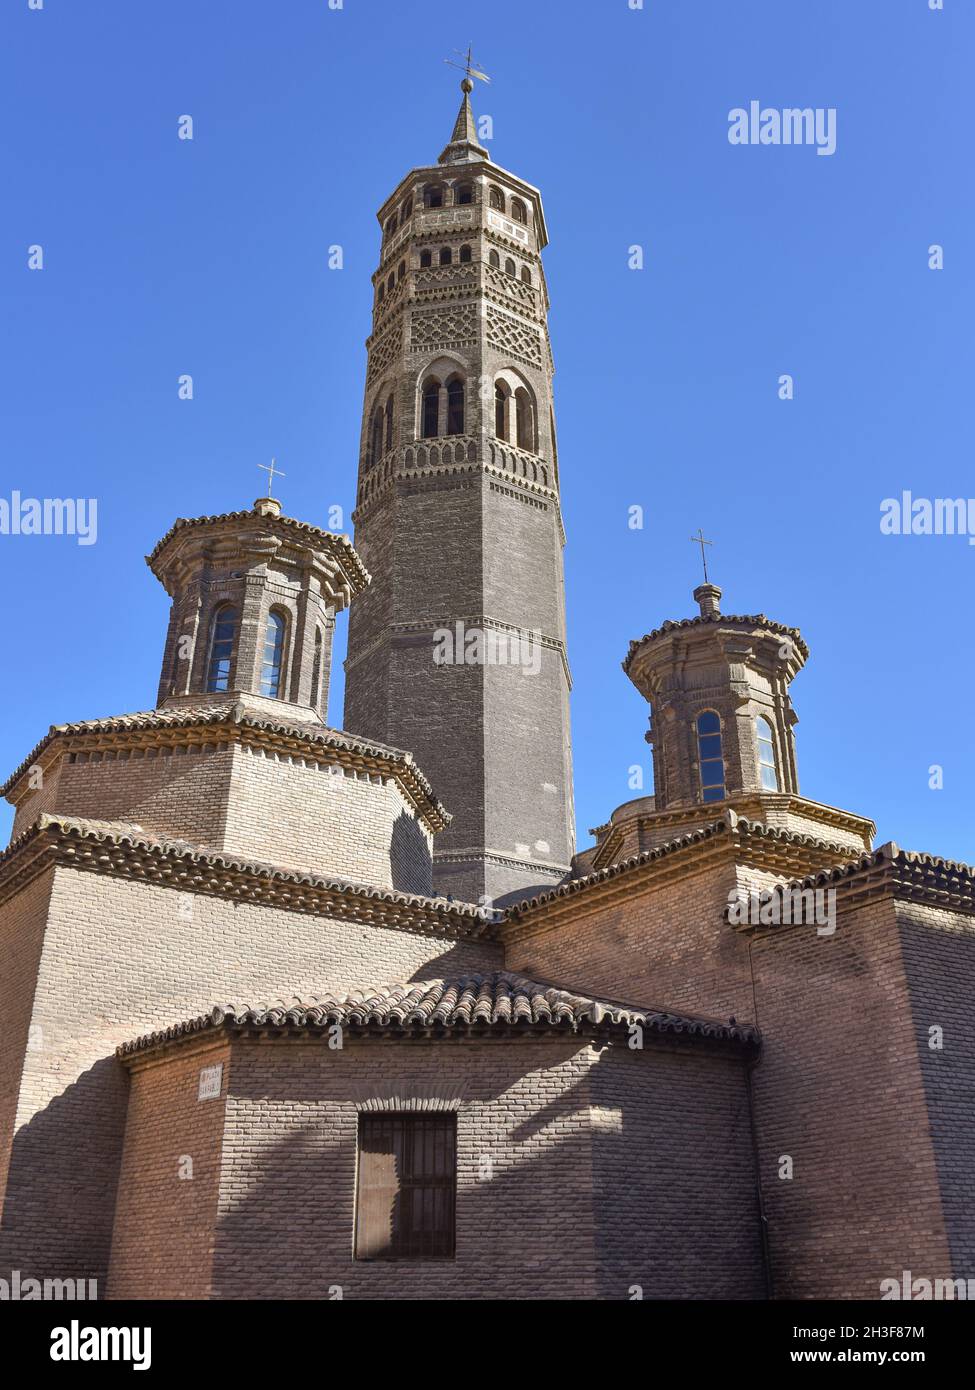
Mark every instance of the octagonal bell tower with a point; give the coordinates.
(457, 650)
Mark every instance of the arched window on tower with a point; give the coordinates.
(455, 405)
(401, 271)
(222, 635)
(381, 295)
(524, 420)
(391, 225)
(272, 657)
(430, 422)
(389, 423)
(390, 283)
(464, 194)
(709, 756)
(316, 670)
(465, 255)
(526, 275)
(426, 260)
(376, 437)
(406, 211)
(446, 256)
(518, 210)
(496, 198)
(433, 196)
(494, 259)
(501, 397)
(509, 267)
(768, 772)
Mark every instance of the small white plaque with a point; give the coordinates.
(211, 1082)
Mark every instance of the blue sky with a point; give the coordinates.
(163, 257)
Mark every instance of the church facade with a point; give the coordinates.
(354, 998)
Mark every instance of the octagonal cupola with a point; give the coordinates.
(720, 713)
(255, 596)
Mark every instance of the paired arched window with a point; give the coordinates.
(502, 396)
(509, 267)
(709, 756)
(518, 210)
(375, 451)
(455, 405)
(526, 275)
(496, 198)
(465, 255)
(316, 669)
(389, 424)
(464, 194)
(272, 657)
(446, 255)
(524, 420)
(430, 409)
(222, 635)
(767, 770)
(426, 260)
(494, 259)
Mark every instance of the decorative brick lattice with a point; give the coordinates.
(384, 351)
(510, 288)
(432, 328)
(513, 337)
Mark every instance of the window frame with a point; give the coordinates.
(280, 616)
(405, 1243)
(773, 765)
(699, 734)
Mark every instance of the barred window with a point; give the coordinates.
(766, 755)
(406, 1188)
(710, 757)
(221, 647)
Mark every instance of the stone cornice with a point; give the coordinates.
(887, 870)
(716, 621)
(753, 806)
(234, 724)
(124, 851)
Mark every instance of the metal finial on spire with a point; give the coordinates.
(272, 473)
(469, 68)
(699, 540)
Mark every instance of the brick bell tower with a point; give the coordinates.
(457, 649)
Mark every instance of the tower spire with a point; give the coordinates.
(464, 147)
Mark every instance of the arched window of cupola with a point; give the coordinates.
(446, 255)
(526, 275)
(768, 771)
(465, 255)
(389, 423)
(502, 395)
(426, 260)
(455, 405)
(433, 196)
(223, 632)
(710, 756)
(496, 198)
(525, 420)
(316, 670)
(494, 259)
(464, 194)
(272, 656)
(509, 267)
(518, 210)
(430, 412)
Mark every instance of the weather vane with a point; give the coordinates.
(272, 473)
(468, 66)
(699, 540)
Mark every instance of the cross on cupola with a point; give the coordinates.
(272, 473)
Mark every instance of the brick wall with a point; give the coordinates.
(162, 1241)
(580, 1173)
(120, 960)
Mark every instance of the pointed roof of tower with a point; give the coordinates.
(463, 147)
